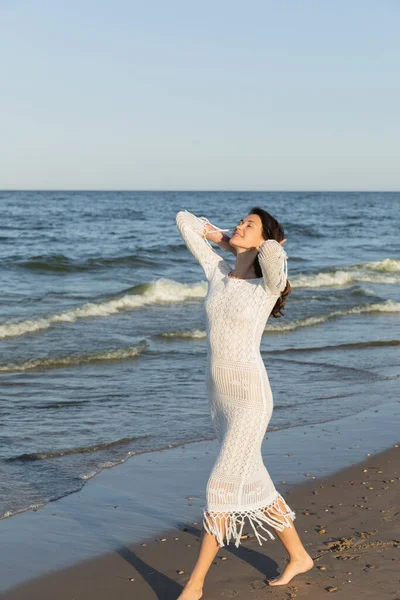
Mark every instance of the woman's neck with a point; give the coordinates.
(244, 266)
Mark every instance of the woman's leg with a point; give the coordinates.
(208, 550)
(300, 560)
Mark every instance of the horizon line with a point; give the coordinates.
(190, 190)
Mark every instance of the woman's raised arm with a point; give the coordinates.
(193, 230)
(273, 262)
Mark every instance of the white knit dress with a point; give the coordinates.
(239, 391)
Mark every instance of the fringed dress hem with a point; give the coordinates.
(235, 521)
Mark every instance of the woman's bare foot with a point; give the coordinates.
(295, 566)
(191, 592)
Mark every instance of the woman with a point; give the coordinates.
(238, 304)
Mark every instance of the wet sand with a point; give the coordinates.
(349, 523)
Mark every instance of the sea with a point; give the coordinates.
(102, 325)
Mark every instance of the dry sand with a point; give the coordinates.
(349, 522)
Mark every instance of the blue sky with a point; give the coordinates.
(210, 95)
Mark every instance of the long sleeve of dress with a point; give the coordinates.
(192, 230)
(273, 262)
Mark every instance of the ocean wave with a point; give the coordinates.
(384, 271)
(390, 306)
(302, 230)
(62, 263)
(359, 290)
(349, 346)
(165, 290)
(76, 359)
(79, 450)
(193, 333)
(159, 291)
(391, 265)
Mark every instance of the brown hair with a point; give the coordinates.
(271, 229)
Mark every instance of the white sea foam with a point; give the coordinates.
(165, 290)
(390, 306)
(193, 333)
(383, 271)
(389, 265)
(157, 292)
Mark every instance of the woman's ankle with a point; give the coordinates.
(302, 556)
(195, 583)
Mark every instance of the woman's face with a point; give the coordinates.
(248, 233)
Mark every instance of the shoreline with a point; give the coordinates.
(345, 521)
(146, 497)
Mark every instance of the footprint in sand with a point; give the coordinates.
(390, 514)
(257, 585)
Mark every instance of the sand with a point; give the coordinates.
(349, 522)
